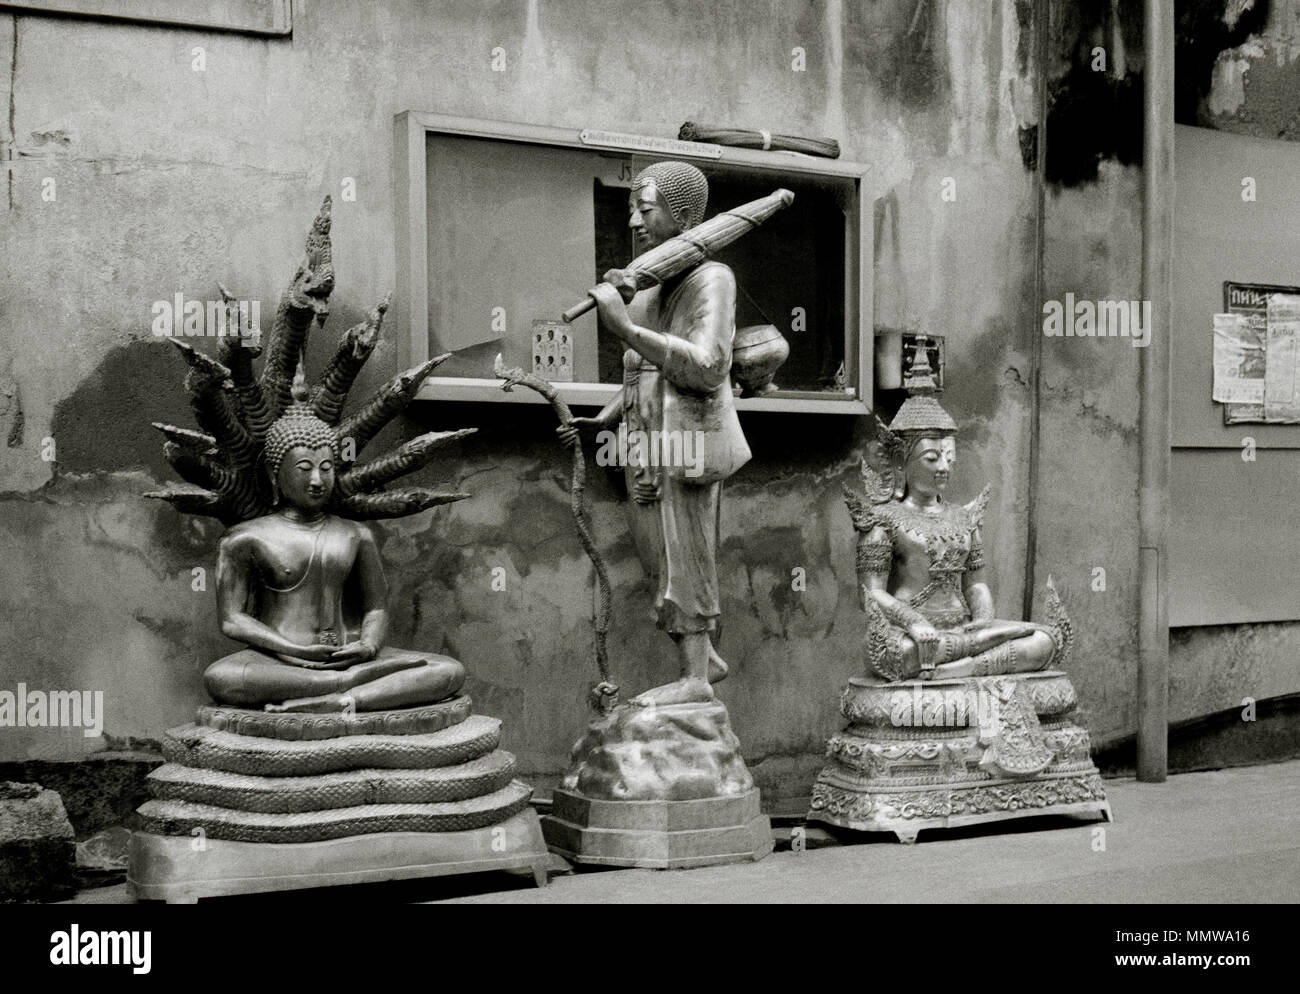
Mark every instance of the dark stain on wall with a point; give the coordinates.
(104, 423)
(977, 371)
(770, 553)
(900, 45)
(1200, 35)
(1093, 115)
(1025, 47)
(19, 423)
(178, 542)
(1272, 107)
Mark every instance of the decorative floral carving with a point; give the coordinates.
(883, 811)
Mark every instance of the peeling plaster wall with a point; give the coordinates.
(1255, 86)
(170, 179)
(1086, 499)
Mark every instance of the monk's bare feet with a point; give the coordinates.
(688, 690)
(718, 667)
(325, 704)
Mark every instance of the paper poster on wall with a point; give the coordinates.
(1281, 400)
(1238, 361)
(1257, 354)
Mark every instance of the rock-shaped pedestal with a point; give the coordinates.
(250, 801)
(946, 753)
(659, 787)
(38, 852)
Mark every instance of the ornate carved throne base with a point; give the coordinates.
(948, 753)
(660, 788)
(250, 802)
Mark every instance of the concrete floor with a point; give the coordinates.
(1222, 837)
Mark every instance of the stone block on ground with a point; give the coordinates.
(38, 853)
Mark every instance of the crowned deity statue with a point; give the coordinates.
(920, 559)
(299, 578)
(961, 718)
(677, 394)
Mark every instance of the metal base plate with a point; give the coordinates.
(182, 869)
(658, 835)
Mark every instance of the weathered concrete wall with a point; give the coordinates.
(1242, 78)
(1254, 86)
(1086, 494)
(169, 179)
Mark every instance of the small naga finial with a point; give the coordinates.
(603, 697)
(1060, 626)
(513, 376)
(299, 391)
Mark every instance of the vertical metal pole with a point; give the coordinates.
(1153, 427)
(1042, 29)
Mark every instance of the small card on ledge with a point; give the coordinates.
(552, 351)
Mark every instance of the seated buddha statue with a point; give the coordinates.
(304, 652)
(299, 578)
(920, 560)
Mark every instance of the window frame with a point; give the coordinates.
(411, 130)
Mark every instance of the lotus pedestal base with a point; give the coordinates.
(251, 802)
(950, 753)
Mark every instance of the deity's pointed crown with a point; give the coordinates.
(684, 188)
(297, 426)
(921, 414)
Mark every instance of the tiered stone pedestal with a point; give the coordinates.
(925, 754)
(250, 802)
(659, 788)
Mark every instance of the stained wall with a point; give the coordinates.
(169, 179)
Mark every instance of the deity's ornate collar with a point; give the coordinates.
(950, 523)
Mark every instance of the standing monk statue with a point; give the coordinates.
(677, 391)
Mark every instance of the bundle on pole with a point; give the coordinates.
(827, 148)
(690, 248)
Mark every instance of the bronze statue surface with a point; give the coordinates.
(622, 799)
(676, 389)
(920, 560)
(331, 757)
(299, 576)
(958, 720)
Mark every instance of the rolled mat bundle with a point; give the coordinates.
(828, 148)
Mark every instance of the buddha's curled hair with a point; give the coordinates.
(297, 426)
